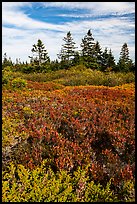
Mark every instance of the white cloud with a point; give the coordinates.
(19, 19)
(96, 7)
(17, 40)
(13, 15)
(19, 43)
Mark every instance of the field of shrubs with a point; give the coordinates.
(62, 142)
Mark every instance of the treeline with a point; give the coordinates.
(90, 55)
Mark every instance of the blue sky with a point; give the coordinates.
(23, 23)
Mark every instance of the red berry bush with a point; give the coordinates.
(74, 127)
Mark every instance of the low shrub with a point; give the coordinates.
(73, 128)
(46, 86)
(80, 75)
(69, 129)
(18, 83)
(6, 75)
(43, 185)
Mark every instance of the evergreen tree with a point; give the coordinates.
(62, 55)
(6, 62)
(108, 61)
(54, 65)
(104, 63)
(40, 54)
(88, 45)
(97, 54)
(68, 49)
(124, 63)
(124, 54)
(18, 61)
(111, 61)
(77, 59)
(87, 51)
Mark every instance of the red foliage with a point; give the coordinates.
(80, 126)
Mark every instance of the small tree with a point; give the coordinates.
(124, 63)
(40, 54)
(87, 51)
(111, 60)
(68, 49)
(108, 61)
(88, 45)
(6, 62)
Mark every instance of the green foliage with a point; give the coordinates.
(69, 144)
(9, 131)
(68, 49)
(41, 54)
(35, 68)
(18, 83)
(124, 64)
(128, 191)
(95, 193)
(86, 134)
(87, 46)
(90, 55)
(93, 65)
(28, 69)
(43, 185)
(12, 79)
(80, 75)
(75, 77)
(6, 62)
(6, 75)
(97, 53)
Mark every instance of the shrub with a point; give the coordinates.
(47, 86)
(43, 185)
(28, 69)
(80, 75)
(18, 83)
(71, 128)
(6, 75)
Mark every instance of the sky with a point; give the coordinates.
(112, 24)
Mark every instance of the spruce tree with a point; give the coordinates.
(87, 45)
(124, 63)
(68, 49)
(87, 52)
(6, 62)
(40, 54)
(111, 61)
(124, 54)
(104, 63)
(77, 59)
(97, 54)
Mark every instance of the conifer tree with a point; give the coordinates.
(104, 62)
(124, 54)
(6, 62)
(108, 61)
(87, 45)
(87, 52)
(77, 59)
(124, 63)
(97, 54)
(68, 49)
(111, 60)
(40, 54)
